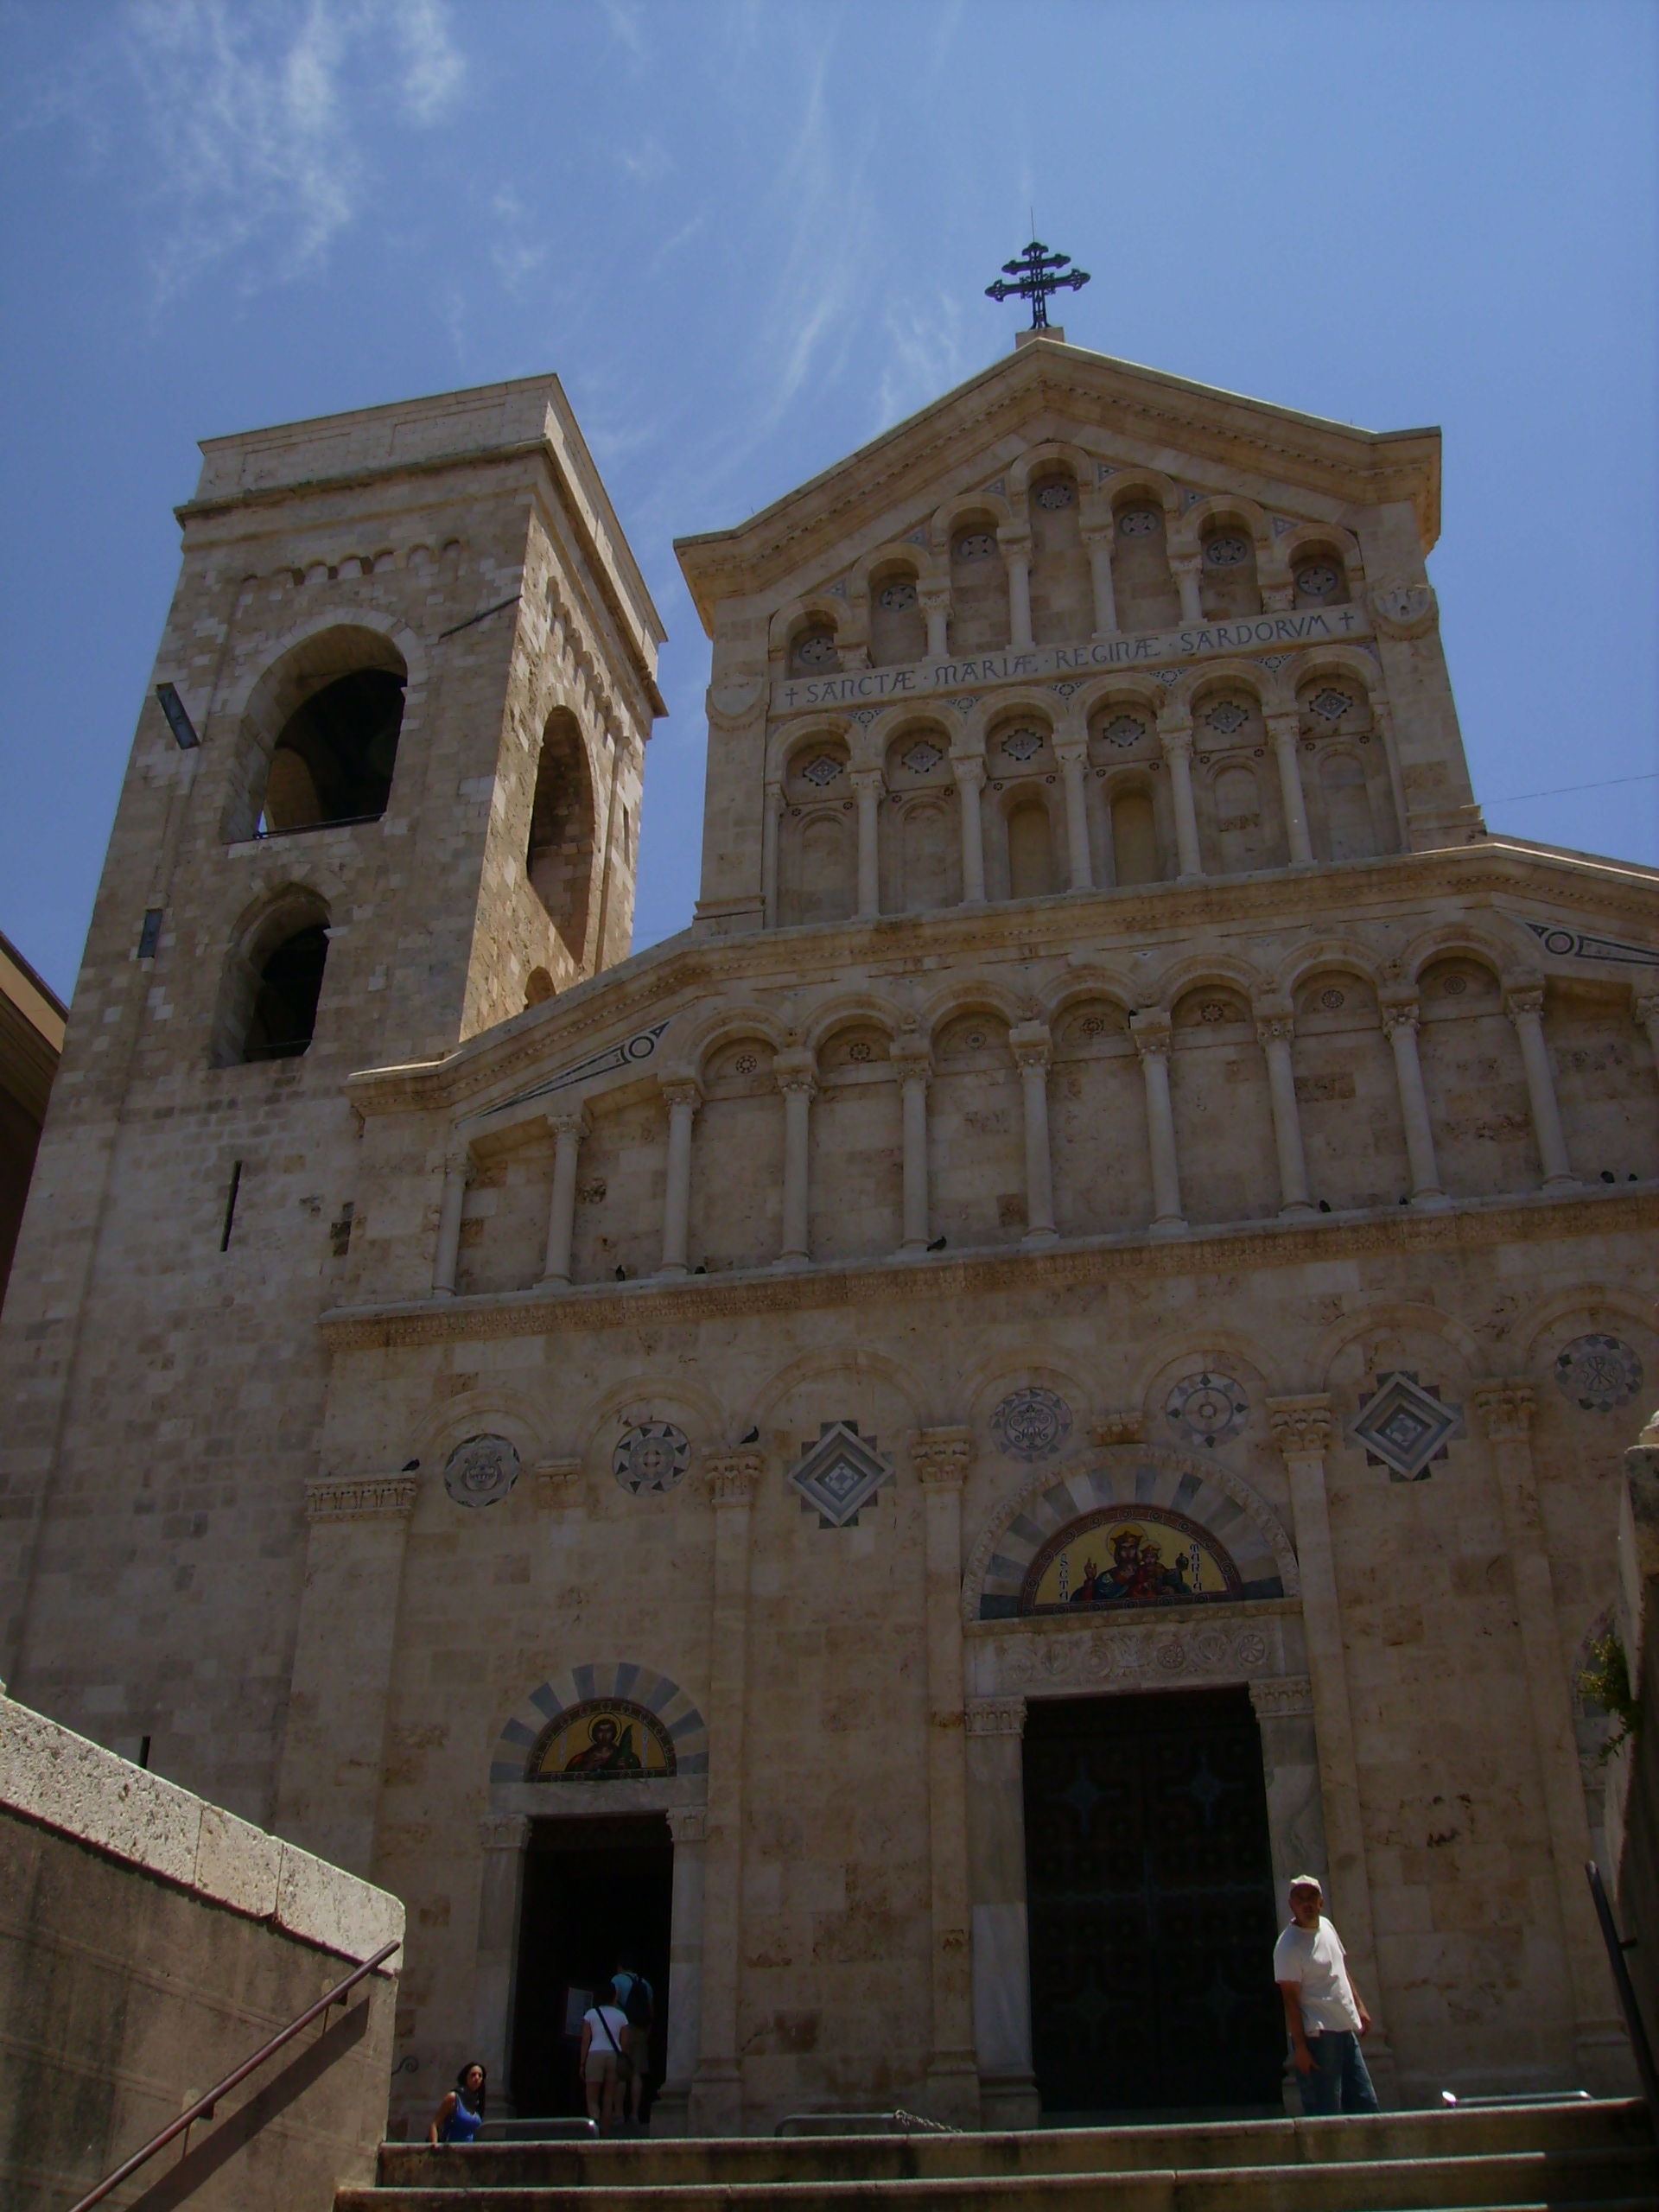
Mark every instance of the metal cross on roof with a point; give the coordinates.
(1035, 281)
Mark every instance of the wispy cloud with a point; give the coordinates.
(517, 252)
(255, 111)
(925, 356)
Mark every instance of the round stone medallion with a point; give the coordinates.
(1207, 1408)
(1032, 1424)
(651, 1456)
(1598, 1373)
(481, 1471)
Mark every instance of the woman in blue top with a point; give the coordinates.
(461, 2115)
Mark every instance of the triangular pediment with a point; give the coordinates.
(1125, 416)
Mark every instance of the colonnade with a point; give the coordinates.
(1031, 1046)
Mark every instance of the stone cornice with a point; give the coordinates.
(1350, 465)
(689, 1300)
(1166, 917)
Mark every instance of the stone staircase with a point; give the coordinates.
(1526, 2160)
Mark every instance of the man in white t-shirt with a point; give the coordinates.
(1324, 2012)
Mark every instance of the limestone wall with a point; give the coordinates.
(148, 1942)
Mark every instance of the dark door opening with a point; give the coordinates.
(596, 1892)
(1149, 1885)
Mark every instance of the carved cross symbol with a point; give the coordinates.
(1035, 277)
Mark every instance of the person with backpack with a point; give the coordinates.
(604, 2032)
(638, 2002)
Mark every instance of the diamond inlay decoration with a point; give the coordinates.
(1403, 1425)
(922, 758)
(1123, 729)
(839, 1474)
(1227, 717)
(1022, 744)
(823, 770)
(1331, 704)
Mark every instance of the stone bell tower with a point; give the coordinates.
(385, 793)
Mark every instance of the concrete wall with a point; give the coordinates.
(149, 1943)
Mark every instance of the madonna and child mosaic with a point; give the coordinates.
(1112, 1560)
(605, 1739)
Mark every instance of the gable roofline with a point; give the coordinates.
(1360, 467)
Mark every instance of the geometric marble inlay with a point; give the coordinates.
(1032, 1424)
(480, 1471)
(1403, 1427)
(840, 1473)
(1598, 1373)
(1207, 1408)
(651, 1456)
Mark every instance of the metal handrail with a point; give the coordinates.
(203, 2107)
(1617, 1945)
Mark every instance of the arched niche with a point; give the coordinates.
(979, 587)
(273, 981)
(1142, 583)
(319, 735)
(1062, 592)
(562, 849)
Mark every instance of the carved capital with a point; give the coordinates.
(1275, 1029)
(1186, 564)
(1505, 1407)
(1281, 1697)
(968, 769)
(796, 1070)
(1149, 1033)
(942, 1456)
(557, 1483)
(910, 1063)
(575, 1125)
(503, 1831)
(1301, 1426)
(1525, 1002)
(996, 1716)
(361, 1497)
(1127, 1425)
(1400, 1014)
(731, 1477)
(680, 1090)
(1030, 1043)
(934, 599)
(1071, 751)
(1646, 1005)
(1278, 598)
(866, 779)
(689, 1823)
(1285, 729)
(458, 1159)
(1176, 739)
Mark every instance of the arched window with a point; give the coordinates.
(559, 859)
(333, 759)
(1031, 851)
(1135, 839)
(283, 1017)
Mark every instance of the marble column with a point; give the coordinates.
(795, 1073)
(970, 772)
(1186, 569)
(867, 785)
(681, 1097)
(503, 1837)
(457, 1173)
(771, 823)
(996, 1881)
(1150, 1033)
(1290, 1763)
(1029, 1042)
(941, 1458)
(671, 2107)
(1177, 741)
(1646, 1009)
(936, 608)
(1301, 1428)
(1399, 1019)
(568, 1130)
(1074, 768)
(1099, 542)
(1017, 553)
(1505, 1411)
(912, 1071)
(332, 1765)
(1285, 731)
(716, 2097)
(1525, 1008)
(1275, 1033)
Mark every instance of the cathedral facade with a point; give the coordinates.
(907, 1455)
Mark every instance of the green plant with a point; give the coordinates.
(1607, 1682)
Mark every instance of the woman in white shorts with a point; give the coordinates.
(604, 2033)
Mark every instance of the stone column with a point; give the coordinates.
(1525, 1008)
(568, 1130)
(1177, 741)
(1017, 551)
(1505, 1409)
(1029, 1041)
(1400, 1019)
(681, 1097)
(671, 2109)
(1274, 1032)
(1150, 1032)
(504, 1837)
(1301, 1429)
(912, 1071)
(1285, 731)
(1099, 542)
(1186, 569)
(970, 772)
(867, 784)
(996, 1879)
(457, 1173)
(1290, 1763)
(1646, 1008)
(333, 1749)
(716, 2098)
(936, 607)
(1074, 766)
(941, 1458)
(796, 1075)
(770, 818)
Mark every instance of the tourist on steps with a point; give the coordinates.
(461, 2115)
(604, 2031)
(1324, 2012)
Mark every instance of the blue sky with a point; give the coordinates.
(748, 234)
